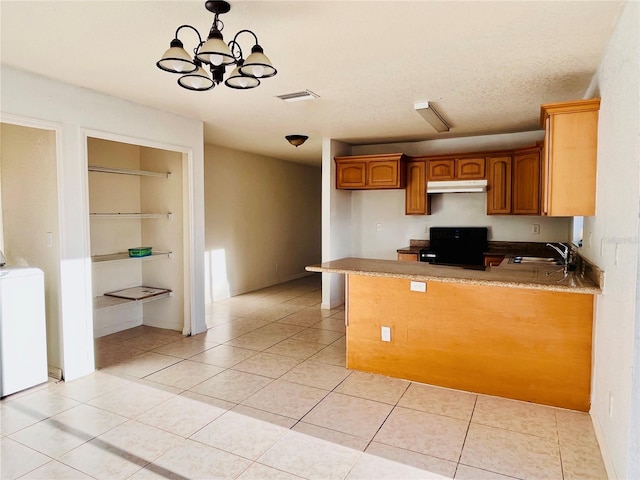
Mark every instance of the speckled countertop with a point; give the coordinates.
(505, 275)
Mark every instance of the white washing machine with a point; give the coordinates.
(23, 330)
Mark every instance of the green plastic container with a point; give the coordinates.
(140, 252)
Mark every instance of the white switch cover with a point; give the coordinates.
(385, 333)
(418, 286)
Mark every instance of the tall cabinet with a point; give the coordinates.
(135, 200)
(569, 164)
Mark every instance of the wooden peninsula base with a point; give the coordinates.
(525, 344)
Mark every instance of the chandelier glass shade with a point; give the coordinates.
(215, 54)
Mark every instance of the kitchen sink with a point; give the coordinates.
(535, 260)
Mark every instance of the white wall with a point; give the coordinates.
(74, 111)
(386, 207)
(611, 242)
(30, 202)
(262, 221)
(336, 223)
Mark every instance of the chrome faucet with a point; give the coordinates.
(564, 250)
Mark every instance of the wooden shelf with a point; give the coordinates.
(124, 257)
(131, 215)
(127, 171)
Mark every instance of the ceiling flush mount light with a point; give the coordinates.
(298, 96)
(216, 55)
(432, 116)
(296, 140)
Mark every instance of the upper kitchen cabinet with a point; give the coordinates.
(470, 168)
(456, 168)
(416, 199)
(569, 157)
(499, 185)
(513, 182)
(371, 172)
(526, 183)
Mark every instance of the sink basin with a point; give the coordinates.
(536, 260)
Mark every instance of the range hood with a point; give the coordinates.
(457, 186)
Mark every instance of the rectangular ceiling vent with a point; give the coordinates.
(298, 96)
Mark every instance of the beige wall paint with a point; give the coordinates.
(30, 210)
(259, 212)
(611, 241)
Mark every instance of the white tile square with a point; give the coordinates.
(185, 414)
(511, 453)
(232, 386)
(310, 457)
(317, 374)
(373, 387)
(242, 434)
(422, 432)
(441, 401)
(352, 415)
(286, 399)
(194, 460)
(67, 430)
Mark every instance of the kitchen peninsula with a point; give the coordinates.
(516, 331)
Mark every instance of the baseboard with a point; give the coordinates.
(168, 325)
(54, 372)
(278, 282)
(604, 451)
(108, 330)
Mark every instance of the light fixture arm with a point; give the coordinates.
(200, 42)
(233, 44)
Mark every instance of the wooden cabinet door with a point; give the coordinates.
(493, 260)
(498, 185)
(408, 257)
(526, 184)
(382, 174)
(351, 175)
(570, 160)
(470, 168)
(416, 200)
(442, 169)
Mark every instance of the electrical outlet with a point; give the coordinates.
(535, 229)
(418, 286)
(378, 227)
(610, 405)
(426, 228)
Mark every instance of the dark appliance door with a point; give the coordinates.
(459, 245)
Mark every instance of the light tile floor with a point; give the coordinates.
(264, 394)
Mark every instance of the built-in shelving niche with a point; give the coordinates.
(136, 199)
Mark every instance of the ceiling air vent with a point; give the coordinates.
(298, 96)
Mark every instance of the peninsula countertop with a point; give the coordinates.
(536, 277)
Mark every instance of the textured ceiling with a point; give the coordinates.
(487, 66)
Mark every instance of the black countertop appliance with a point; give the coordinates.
(457, 246)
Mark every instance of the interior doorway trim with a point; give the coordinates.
(193, 324)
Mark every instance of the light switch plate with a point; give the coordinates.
(418, 286)
(385, 334)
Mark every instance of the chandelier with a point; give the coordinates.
(217, 55)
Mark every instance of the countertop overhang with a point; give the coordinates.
(537, 277)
